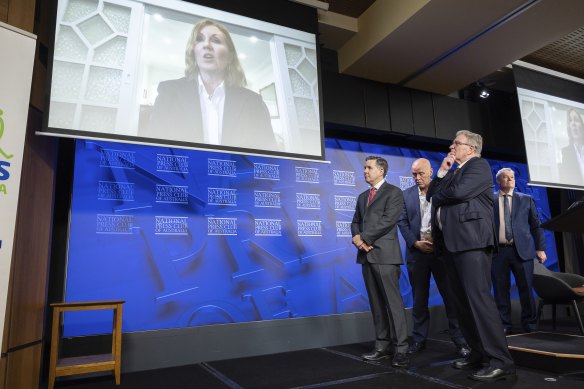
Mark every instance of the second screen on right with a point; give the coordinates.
(552, 116)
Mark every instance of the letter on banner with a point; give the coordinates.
(15, 77)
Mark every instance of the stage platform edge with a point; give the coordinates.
(548, 351)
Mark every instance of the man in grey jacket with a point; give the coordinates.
(374, 230)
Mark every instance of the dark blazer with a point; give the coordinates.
(410, 220)
(177, 115)
(377, 224)
(569, 165)
(465, 200)
(525, 224)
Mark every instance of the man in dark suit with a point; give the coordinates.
(374, 230)
(464, 231)
(519, 227)
(422, 261)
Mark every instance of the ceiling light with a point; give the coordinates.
(484, 94)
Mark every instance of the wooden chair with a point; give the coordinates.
(91, 363)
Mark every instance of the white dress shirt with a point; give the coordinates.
(502, 238)
(426, 215)
(212, 112)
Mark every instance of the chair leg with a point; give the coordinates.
(539, 313)
(577, 312)
(554, 317)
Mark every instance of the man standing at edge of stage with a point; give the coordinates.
(464, 232)
(521, 240)
(374, 230)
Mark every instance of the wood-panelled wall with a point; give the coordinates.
(21, 361)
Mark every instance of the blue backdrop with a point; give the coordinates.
(192, 238)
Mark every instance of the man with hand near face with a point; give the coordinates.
(422, 261)
(464, 232)
(374, 230)
(518, 227)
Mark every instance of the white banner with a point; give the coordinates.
(16, 66)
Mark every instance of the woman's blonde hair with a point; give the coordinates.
(234, 74)
(570, 137)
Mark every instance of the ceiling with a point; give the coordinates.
(442, 46)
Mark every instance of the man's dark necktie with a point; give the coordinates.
(371, 194)
(507, 217)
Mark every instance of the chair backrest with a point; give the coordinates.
(539, 268)
(552, 289)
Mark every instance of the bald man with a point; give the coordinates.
(422, 261)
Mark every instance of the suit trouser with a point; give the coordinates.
(387, 308)
(421, 267)
(504, 262)
(469, 273)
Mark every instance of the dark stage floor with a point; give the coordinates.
(338, 367)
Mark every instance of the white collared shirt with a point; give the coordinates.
(378, 185)
(425, 215)
(212, 112)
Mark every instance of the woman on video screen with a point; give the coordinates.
(572, 168)
(211, 105)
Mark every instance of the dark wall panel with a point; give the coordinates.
(400, 110)
(504, 123)
(376, 105)
(449, 117)
(423, 114)
(452, 115)
(343, 99)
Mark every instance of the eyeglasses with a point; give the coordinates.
(458, 143)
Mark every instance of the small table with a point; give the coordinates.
(91, 363)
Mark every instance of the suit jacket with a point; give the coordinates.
(377, 224)
(525, 224)
(570, 164)
(465, 200)
(177, 115)
(410, 220)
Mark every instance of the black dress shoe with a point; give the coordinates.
(491, 374)
(463, 350)
(376, 355)
(416, 347)
(467, 363)
(400, 360)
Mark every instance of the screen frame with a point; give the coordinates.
(253, 16)
(557, 89)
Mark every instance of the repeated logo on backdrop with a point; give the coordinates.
(197, 238)
(224, 196)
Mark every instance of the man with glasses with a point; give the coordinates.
(422, 261)
(464, 232)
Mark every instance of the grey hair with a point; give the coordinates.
(473, 139)
(504, 170)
